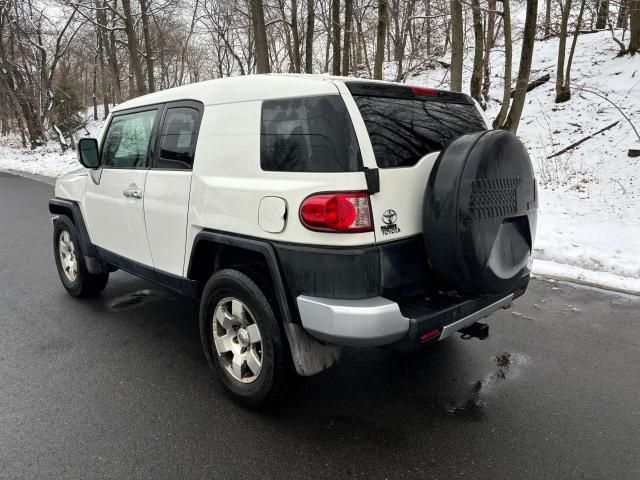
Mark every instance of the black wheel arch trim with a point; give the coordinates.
(71, 209)
(262, 247)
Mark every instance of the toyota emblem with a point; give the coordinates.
(389, 217)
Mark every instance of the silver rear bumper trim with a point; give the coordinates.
(452, 328)
(368, 322)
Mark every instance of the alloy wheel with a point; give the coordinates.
(237, 339)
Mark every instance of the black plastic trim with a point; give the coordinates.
(183, 286)
(71, 209)
(426, 315)
(372, 176)
(259, 246)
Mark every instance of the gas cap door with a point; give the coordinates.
(272, 214)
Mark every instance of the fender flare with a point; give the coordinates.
(254, 245)
(71, 209)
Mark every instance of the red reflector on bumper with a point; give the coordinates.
(429, 335)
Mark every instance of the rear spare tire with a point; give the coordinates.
(480, 211)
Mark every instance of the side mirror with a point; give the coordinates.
(88, 154)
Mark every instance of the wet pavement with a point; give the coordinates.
(117, 387)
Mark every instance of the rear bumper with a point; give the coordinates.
(378, 321)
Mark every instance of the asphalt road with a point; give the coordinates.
(118, 387)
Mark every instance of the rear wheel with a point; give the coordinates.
(75, 277)
(242, 339)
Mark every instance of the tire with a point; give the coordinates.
(75, 277)
(221, 323)
(480, 211)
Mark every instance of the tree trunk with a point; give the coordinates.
(428, 26)
(401, 45)
(508, 62)
(488, 46)
(295, 35)
(563, 92)
(476, 74)
(260, 36)
(148, 48)
(457, 45)
(634, 26)
(547, 19)
(335, 36)
(103, 83)
(381, 35)
(108, 44)
(567, 76)
(561, 95)
(346, 47)
(132, 45)
(94, 86)
(603, 15)
(623, 13)
(311, 16)
(526, 56)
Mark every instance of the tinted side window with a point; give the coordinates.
(312, 134)
(178, 138)
(402, 131)
(127, 142)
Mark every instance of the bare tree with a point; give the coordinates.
(132, 45)
(478, 57)
(148, 48)
(508, 61)
(295, 36)
(457, 46)
(563, 75)
(346, 47)
(547, 19)
(634, 26)
(603, 15)
(260, 35)
(381, 34)
(526, 56)
(335, 36)
(311, 16)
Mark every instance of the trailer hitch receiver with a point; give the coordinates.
(475, 330)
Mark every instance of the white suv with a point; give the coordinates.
(307, 213)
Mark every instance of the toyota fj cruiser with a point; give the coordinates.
(307, 213)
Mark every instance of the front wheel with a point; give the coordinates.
(242, 339)
(75, 277)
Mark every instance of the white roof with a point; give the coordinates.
(244, 88)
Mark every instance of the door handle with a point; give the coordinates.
(132, 192)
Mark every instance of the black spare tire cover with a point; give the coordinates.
(480, 211)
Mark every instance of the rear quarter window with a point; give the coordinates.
(311, 134)
(403, 130)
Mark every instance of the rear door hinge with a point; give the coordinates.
(372, 175)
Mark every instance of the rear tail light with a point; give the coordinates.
(337, 212)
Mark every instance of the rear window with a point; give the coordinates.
(403, 130)
(312, 134)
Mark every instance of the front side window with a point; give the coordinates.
(126, 144)
(312, 134)
(178, 138)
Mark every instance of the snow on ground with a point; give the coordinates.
(47, 160)
(589, 209)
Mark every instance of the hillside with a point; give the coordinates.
(589, 218)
